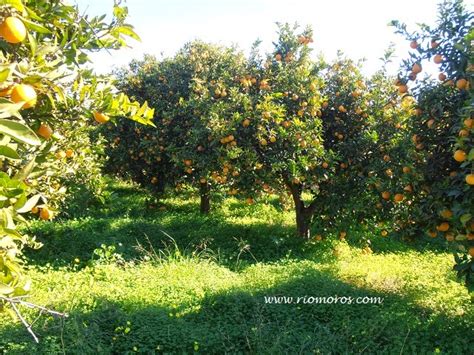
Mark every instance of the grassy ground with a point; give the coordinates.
(166, 280)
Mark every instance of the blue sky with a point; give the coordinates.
(358, 28)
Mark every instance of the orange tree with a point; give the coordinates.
(44, 97)
(310, 132)
(280, 134)
(195, 96)
(439, 151)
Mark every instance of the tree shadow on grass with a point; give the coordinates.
(239, 234)
(239, 321)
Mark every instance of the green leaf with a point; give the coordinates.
(19, 132)
(9, 109)
(4, 74)
(17, 4)
(9, 153)
(35, 26)
(465, 218)
(32, 202)
(5, 289)
(25, 171)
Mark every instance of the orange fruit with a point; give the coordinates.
(385, 195)
(386, 157)
(342, 235)
(325, 165)
(341, 108)
(263, 142)
(446, 214)
(69, 153)
(463, 133)
(470, 236)
(384, 233)
(413, 45)
(416, 68)
(471, 251)
(432, 234)
(408, 188)
(430, 123)
(470, 179)
(35, 210)
(461, 84)
(434, 44)
(24, 93)
(443, 227)
(469, 122)
(278, 57)
(246, 122)
(45, 131)
(101, 118)
(398, 197)
(273, 139)
(460, 155)
(6, 92)
(45, 214)
(449, 237)
(188, 162)
(61, 154)
(249, 200)
(406, 169)
(13, 30)
(438, 59)
(402, 89)
(442, 76)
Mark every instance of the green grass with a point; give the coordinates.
(178, 282)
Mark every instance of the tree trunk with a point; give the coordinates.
(303, 222)
(304, 215)
(204, 191)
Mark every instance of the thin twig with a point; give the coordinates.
(25, 323)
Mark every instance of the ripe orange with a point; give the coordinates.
(446, 214)
(45, 214)
(273, 139)
(443, 227)
(325, 165)
(101, 118)
(263, 142)
(449, 237)
(442, 76)
(460, 155)
(386, 195)
(246, 122)
(430, 123)
(398, 197)
(470, 236)
(471, 251)
(45, 131)
(470, 179)
(416, 68)
(463, 133)
(13, 30)
(438, 59)
(384, 233)
(413, 45)
(469, 122)
(35, 210)
(188, 162)
(341, 108)
(406, 169)
(408, 188)
(402, 89)
(278, 57)
(432, 234)
(6, 92)
(249, 200)
(69, 153)
(24, 93)
(386, 157)
(461, 84)
(434, 44)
